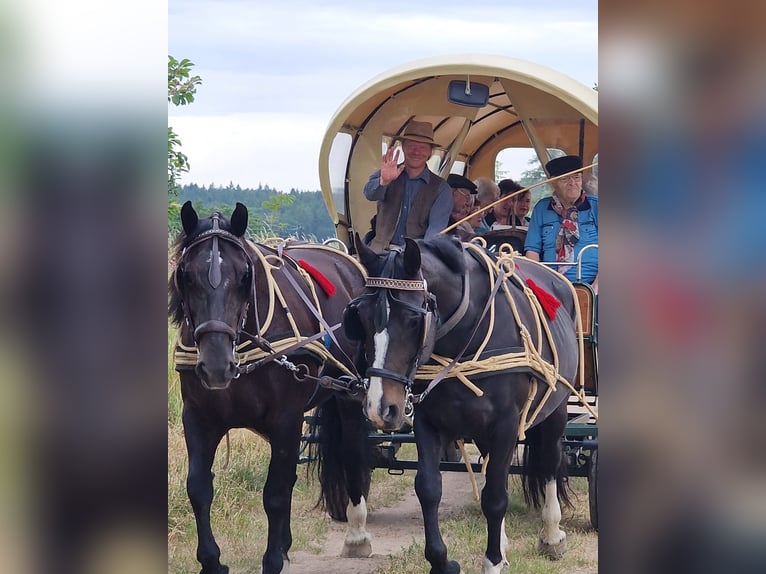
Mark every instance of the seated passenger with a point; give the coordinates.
(561, 225)
(487, 192)
(520, 208)
(463, 194)
(502, 213)
(412, 201)
(477, 221)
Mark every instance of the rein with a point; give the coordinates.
(274, 351)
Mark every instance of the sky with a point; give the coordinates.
(275, 72)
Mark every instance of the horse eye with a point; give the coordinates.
(247, 277)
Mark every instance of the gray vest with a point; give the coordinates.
(390, 208)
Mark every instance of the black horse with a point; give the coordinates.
(241, 307)
(399, 326)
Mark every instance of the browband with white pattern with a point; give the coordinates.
(402, 284)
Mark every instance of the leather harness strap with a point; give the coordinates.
(446, 370)
(327, 328)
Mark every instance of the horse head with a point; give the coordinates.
(394, 321)
(213, 281)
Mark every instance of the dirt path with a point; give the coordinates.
(393, 529)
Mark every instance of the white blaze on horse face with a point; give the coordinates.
(551, 534)
(375, 392)
(220, 259)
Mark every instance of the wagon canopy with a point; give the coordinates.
(528, 106)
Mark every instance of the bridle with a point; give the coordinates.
(214, 278)
(383, 291)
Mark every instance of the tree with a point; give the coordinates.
(535, 174)
(182, 87)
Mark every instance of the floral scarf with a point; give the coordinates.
(569, 232)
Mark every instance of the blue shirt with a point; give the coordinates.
(438, 217)
(544, 226)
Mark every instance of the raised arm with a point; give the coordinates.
(375, 189)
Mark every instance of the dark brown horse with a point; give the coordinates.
(248, 326)
(434, 298)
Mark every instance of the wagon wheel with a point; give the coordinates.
(593, 488)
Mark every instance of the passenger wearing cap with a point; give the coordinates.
(412, 201)
(463, 195)
(563, 224)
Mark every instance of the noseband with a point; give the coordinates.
(214, 278)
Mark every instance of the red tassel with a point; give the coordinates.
(547, 301)
(317, 276)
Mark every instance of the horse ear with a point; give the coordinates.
(366, 255)
(411, 257)
(189, 218)
(239, 220)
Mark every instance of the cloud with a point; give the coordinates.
(279, 150)
(279, 64)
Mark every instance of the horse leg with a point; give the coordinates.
(428, 487)
(277, 496)
(201, 444)
(546, 444)
(494, 497)
(358, 542)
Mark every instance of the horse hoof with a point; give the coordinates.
(552, 551)
(363, 549)
(220, 569)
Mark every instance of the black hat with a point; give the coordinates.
(461, 182)
(508, 186)
(562, 165)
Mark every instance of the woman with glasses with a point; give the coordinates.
(563, 224)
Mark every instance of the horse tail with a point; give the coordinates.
(544, 459)
(336, 456)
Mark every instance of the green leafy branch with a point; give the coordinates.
(182, 87)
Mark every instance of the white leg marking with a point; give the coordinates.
(357, 543)
(375, 392)
(551, 534)
(357, 521)
(489, 568)
(503, 542)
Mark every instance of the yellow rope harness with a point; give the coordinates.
(247, 352)
(531, 357)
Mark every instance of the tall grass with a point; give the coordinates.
(174, 384)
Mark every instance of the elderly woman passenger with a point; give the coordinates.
(563, 224)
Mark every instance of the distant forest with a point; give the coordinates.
(299, 214)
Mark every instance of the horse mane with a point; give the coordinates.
(448, 250)
(175, 312)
